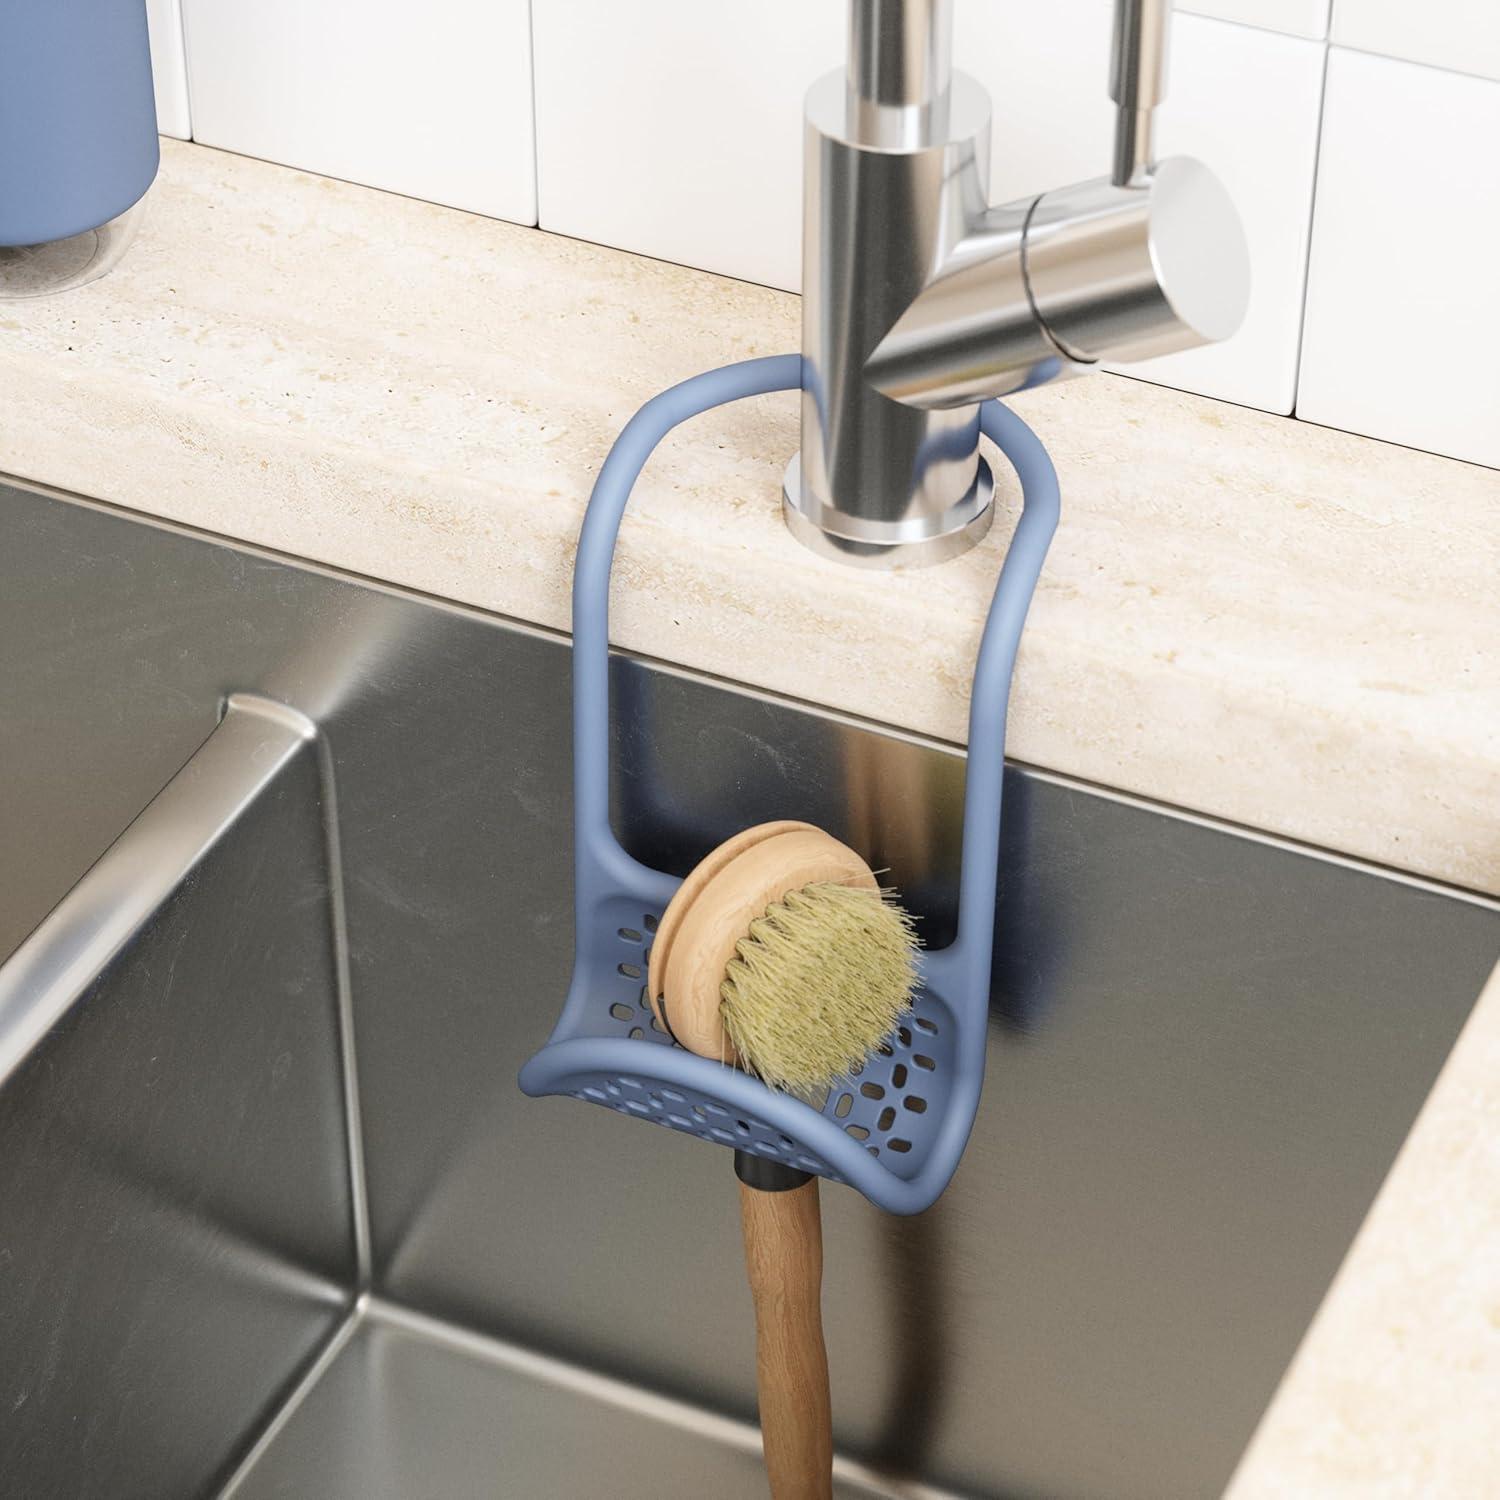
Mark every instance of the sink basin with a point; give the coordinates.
(285, 903)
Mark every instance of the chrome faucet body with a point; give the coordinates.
(921, 300)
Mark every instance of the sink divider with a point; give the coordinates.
(138, 873)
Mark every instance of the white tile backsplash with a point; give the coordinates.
(1461, 34)
(169, 68)
(1403, 312)
(700, 159)
(1046, 69)
(674, 127)
(432, 100)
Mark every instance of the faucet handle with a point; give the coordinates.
(1146, 261)
(1152, 258)
(1050, 286)
(1126, 273)
(1137, 82)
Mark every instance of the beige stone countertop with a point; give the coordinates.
(1276, 624)
(1281, 625)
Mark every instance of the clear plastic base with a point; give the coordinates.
(61, 265)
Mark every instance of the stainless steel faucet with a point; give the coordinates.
(920, 300)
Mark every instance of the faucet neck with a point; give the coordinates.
(1137, 83)
(900, 69)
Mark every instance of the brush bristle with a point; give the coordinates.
(818, 983)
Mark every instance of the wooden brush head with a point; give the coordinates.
(818, 983)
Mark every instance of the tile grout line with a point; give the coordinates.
(180, 8)
(1312, 223)
(536, 121)
(1413, 62)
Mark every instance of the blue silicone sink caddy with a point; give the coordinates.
(604, 1049)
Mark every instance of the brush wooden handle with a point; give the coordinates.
(784, 1261)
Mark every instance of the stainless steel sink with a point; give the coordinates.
(284, 885)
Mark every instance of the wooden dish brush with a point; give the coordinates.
(781, 954)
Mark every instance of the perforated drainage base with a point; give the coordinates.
(887, 1104)
(414, 1409)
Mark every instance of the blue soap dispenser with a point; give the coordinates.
(78, 145)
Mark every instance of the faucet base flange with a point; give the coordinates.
(873, 544)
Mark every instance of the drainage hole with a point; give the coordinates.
(916, 1104)
(872, 1091)
(887, 1118)
(923, 1061)
(898, 1076)
(842, 1108)
(858, 1132)
(897, 1144)
(930, 1027)
(622, 1012)
(630, 971)
(630, 935)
